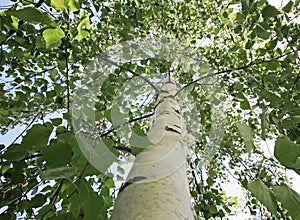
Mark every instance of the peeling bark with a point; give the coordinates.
(157, 186)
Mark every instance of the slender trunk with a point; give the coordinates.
(157, 185)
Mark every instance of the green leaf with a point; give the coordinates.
(238, 86)
(109, 183)
(204, 68)
(271, 97)
(56, 121)
(31, 14)
(7, 216)
(59, 4)
(74, 5)
(53, 37)
(287, 153)
(213, 209)
(290, 200)
(269, 11)
(296, 118)
(261, 32)
(272, 65)
(81, 35)
(287, 123)
(37, 136)
(60, 129)
(57, 155)
(84, 23)
(91, 202)
(66, 216)
(42, 212)
(245, 131)
(14, 152)
(263, 125)
(245, 6)
(245, 104)
(38, 200)
(264, 195)
(287, 8)
(58, 173)
(26, 2)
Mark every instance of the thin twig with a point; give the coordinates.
(56, 193)
(126, 123)
(122, 148)
(235, 69)
(195, 179)
(101, 56)
(54, 197)
(31, 157)
(79, 180)
(67, 64)
(35, 117)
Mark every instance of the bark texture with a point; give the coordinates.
(157, 187)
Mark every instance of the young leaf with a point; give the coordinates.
(59, 4)
(245, 131)
(73, 5)
(31, 14)
(264, 195)
(109, 183)
(53, 37)
(290, 200)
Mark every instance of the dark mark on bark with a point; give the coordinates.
(176, 110)
(172, 129)
(177, 126)
(164, 91)
(135, 179)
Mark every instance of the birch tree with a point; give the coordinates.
(54, 162)
(153, 189)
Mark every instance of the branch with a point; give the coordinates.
(122, 148)
(35, 117)
(126, 123)
(79, 180)
(235, 69)
(67, 65)
(195, 179)
(129, 70)
(55, 195)
(31, 157)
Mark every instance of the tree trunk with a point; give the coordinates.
(157, 186)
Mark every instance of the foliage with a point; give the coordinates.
(252, 46)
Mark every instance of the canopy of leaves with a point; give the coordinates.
(250, 45)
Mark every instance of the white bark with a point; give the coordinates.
(157, 187)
